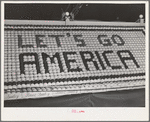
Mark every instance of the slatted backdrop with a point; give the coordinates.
(54, 60)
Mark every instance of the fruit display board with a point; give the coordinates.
(55, 60)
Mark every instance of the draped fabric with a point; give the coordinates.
(126, 98)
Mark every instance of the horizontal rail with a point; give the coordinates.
(46, 22)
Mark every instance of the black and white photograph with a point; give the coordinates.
(75, 56)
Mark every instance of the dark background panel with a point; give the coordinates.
(103, 12)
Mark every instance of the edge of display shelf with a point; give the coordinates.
(56, 93)
(46, 22)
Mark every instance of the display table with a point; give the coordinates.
(126, 98)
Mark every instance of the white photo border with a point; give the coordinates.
(64, 113)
